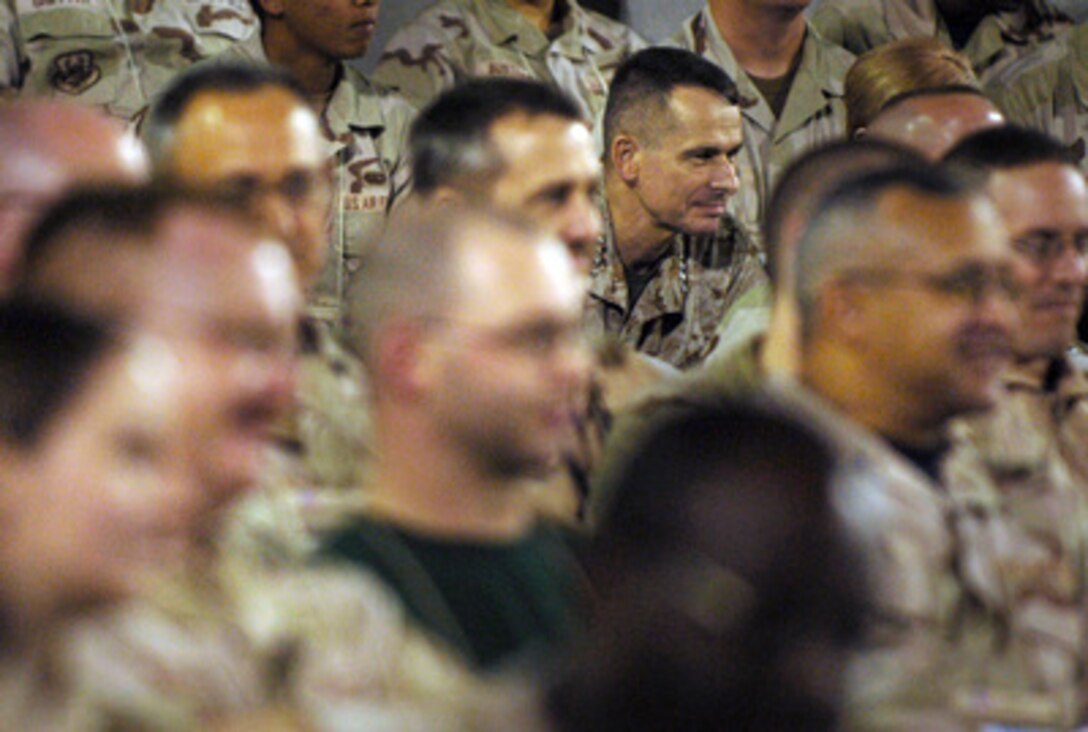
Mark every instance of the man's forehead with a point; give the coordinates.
(519, 133)
(239, 132)
(941, 227)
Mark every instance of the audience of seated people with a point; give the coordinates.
(546, 382)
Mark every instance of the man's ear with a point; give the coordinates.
(626, 155)
(271, 8)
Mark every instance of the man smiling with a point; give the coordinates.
(671, 261)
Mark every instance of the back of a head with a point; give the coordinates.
(721, 562)
(95, 248)
(225, 77)
(846, 233)
(449, 139)
(46, 351)
(639, 93)
(1008, 146)
(908, 65)
(413, 274)
(809, 178)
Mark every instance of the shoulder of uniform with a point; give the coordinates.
(837, 57)
(611, 35)
(446, 19)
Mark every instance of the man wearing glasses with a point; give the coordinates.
(1034, 445)
(906, 302)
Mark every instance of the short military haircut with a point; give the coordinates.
(108, 220)
(638, 98)
(1008, 146)
(846, 232)
(815, 174)
(221, 76)
(450, 140)
(412, 275)
(46, 352)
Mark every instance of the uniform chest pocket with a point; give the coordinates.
(75, 52)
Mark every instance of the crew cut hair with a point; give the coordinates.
(1008, 146)
(639, 93)
(239, 77)
(450, 139)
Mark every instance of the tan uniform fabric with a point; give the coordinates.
(113, 54)
(1024, 537)
(331, 645)
(862, 25)
(814, 112)
(1048, 90)
(366, 129)
(676, 317)
(453, 40)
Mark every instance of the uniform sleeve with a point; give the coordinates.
(399, 116)
(418, 62)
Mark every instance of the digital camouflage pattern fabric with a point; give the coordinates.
(814, 112)
(113, 54)
(676, 317)
(453, 40)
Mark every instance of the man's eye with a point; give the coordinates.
(297, 187)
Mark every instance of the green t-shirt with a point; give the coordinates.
(495, 602)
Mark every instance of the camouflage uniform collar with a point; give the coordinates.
(818, 76)
(1072, 382)
(666, 293)
(507, 27)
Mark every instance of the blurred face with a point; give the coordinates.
(1045, 208)
(264, 147)
(937, 321)
(685, 178)
(551, 175)
(104, 498)
(230, 305)
(337, 29)
(932, 125)
(509, 362)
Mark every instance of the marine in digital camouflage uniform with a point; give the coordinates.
(457, 39)
(114, 54)
(366, 135)
(813, 113)
(1048, 91)
(676, 316)
(999, 39)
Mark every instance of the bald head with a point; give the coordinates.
(932, 123)
(46, 147)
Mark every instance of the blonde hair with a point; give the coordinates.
(887, 72)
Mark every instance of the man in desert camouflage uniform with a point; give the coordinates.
(789, 106)
(1048, 90)
(991, 33)
(113, 54)
(898, 337)
(671, 261)
(365, 127)
(1034, 443)
(554, 41)
(248, 131)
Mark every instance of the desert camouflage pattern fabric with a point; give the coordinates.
(676, 317)
(113, 54)
(1000, 39)
(814, 112)
(1048, 91)
(314, 472)
(331, 647)
(453, 40)
(366, 131)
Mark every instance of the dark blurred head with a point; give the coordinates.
(728, 597)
